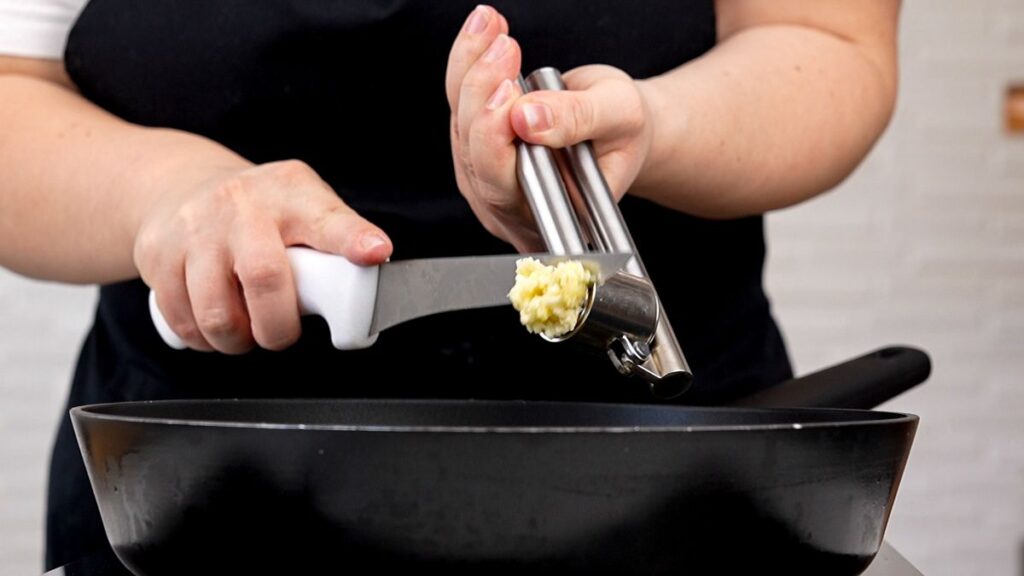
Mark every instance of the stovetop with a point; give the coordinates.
(888, 562)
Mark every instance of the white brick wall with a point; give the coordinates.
(923, 245)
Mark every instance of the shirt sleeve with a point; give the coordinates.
(37, 28)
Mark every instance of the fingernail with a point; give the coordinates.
(478, 20)
(372, 240)
(498, 48)
(538, 117)
(500, 96)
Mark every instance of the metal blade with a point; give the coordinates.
(410, 289)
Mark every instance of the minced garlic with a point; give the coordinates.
(550, 298)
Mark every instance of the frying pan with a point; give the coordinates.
(485, 487)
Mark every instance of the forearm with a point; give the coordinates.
(76, 180)
(770, 117)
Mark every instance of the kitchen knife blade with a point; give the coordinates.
(409, 289)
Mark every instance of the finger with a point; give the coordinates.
(162, 268)
(262, 267)
(497, 199)
(173, 301)
(467, 184)
(310, 213)
(608, 108)
(492, 150)
(619, 170)
(498, 63)
(479, 31)
(322, 221)
(217, 302)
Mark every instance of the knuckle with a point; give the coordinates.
(279, 340)
(228, 191)
(451, 88)
(292, 171)
(493, 163)
(456, 133)
(191, 221)
(262, 275)
(187, 331)
(222, 204)
(327, 217)
(476, 149)
(493, 228)
(581, 116)
(236, 349)
(475, 82)
(217, 322)
(465, 160)
(495, 197)
(463, 183)
(146, 249)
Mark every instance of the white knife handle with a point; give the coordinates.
(330, 286)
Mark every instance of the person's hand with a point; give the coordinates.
(603, 104)
(214, 253)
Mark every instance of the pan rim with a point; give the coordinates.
(880, 418)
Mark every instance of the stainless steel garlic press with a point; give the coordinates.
(576, 213)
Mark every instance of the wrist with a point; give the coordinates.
(659, 151)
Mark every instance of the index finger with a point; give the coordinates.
(481, 28)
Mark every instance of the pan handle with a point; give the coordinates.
(862, 383)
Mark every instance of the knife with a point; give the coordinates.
(358, 302)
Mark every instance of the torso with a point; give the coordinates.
(355, 89)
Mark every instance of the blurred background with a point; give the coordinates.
(923, 245)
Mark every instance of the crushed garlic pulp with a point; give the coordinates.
(549, 299)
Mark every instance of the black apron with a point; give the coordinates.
(356, 89)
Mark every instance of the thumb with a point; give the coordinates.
(561, 118)
(332, 226)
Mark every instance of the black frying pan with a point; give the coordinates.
(343, 486)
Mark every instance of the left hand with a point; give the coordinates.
(602, 104)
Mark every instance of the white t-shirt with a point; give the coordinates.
(37, 28)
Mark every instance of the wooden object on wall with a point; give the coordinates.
(1015, 109)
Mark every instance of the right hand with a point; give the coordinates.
(214, 253)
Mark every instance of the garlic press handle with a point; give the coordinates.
(659, 359)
